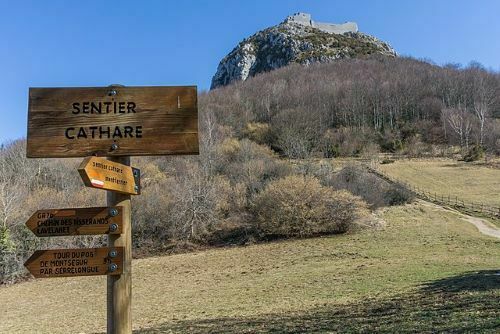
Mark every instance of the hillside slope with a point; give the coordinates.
(352, 107)
(295, 41)
(423, 270)
(477, 184)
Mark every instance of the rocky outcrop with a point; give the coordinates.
(296, 40)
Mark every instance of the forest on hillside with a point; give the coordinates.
(363, 106)
(243, 188)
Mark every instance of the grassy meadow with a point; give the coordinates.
(470, 182)
(424, 269)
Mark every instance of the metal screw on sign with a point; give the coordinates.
(113, 212)
(112, 267)
(113, 253)
(113, 227)
(112, 92)
(114, 147)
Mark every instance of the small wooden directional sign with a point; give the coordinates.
(112, 121)
(108, 175)
(79, 221)
(76, 262)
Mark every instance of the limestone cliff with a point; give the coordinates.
(296, 40)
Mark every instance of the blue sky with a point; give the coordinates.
(97, 43)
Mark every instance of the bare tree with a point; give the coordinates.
(8, 199)
(484, 99)
(461, 124)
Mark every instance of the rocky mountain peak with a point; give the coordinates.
(298, 39)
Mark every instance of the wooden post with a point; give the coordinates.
(119, 289)
(159, 121)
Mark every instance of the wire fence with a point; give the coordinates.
(440, 199)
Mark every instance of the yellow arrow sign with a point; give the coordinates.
(108, 175)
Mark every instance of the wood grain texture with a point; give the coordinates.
(119, 288)
(101, 173)
(78, 221)
(167, 117)
(75, 262)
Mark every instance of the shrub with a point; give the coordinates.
(372, 189)
(261, 133)
(250, 164)
(370, 151)
(475, 153)
(390, 142)
(294, 144)
(396, 195)
(415, 147)
(299, 206)
(152, 216)
(199, 203)
(6, 243)
(348, 142)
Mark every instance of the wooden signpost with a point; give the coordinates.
(81, 221)
(112, 121)
(76, 262)
(108, 175)
(117, 122)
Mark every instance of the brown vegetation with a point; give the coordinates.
(347, 107)
(222, 197)
(238, 190)
(299, 206)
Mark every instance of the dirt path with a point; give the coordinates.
(481, 224)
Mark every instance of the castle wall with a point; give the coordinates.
(301, 18)
(336, 28)
(306, 20)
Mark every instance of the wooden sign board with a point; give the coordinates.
(76, 262)
(112, 121)
(108, 175)
(80, 221)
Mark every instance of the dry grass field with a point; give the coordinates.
(470, 182)
(424, 270)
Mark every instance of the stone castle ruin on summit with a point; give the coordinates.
(306, 20)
